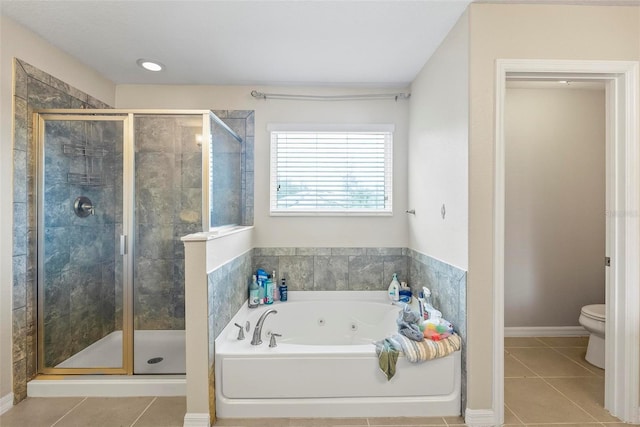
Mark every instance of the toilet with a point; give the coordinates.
(592, 318)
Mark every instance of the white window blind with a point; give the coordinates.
(337, 173)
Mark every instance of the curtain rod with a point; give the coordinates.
(354, 97)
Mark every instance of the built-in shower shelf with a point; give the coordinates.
(87, 179)
(83, 151)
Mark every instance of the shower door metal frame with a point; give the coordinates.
(128, 217)
(127, 200)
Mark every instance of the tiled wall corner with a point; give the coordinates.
(448, 285)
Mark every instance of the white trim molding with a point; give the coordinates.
(103, 386)
(479, 417)
(6, 403)
(195, 419)
(622, 364)
(545, 331)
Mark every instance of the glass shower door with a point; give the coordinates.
(168, 205)
(82, 286)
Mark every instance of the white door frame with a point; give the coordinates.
(622, 374)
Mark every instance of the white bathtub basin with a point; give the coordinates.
(325, 363)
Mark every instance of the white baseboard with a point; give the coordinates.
(195, 419)
(480, 417)
(545, 331)
(6, 403)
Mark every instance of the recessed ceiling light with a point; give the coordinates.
(563, 82)
(150, 65)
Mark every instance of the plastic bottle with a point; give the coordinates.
(268, 298)
(262, 280)
(275, 294)
(431, 312)
(405, 293)
(254, 293)
(394, 288)
(283, 290)
(421, 303)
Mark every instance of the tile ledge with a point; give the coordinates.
(215, 233)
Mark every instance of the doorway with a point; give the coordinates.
(554, 248)
(623, 239)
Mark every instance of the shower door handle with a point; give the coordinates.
(123, 244)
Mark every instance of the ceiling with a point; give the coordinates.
(235, 42)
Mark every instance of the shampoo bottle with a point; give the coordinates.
(254, 293)
(283, 291)
(262, 281)
(405, 293)
(394, 288)
(268, 299)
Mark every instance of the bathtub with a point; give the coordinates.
(325, 364)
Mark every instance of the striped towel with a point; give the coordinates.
(419, 351)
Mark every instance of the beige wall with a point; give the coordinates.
(16, 41)
(298, 231)
(555, 204)
(438, 151)
(527, 32)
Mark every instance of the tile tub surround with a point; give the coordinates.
(362, 269)
(227, 289)
(334, 269)
(448, 286)
(372, 269)
(33, 88)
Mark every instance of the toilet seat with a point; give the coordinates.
(594, 311)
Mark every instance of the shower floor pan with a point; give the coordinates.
(154, 352)
(107, 352)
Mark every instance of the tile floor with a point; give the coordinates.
(547, 382)
(96, 412)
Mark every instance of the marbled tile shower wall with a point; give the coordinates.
(334, 269)
(232, 169)
(79, 256)
(33, 89)
(168, 182)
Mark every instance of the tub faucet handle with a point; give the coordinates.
(272, 341)
(240, 331)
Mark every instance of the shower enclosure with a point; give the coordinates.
(116, 191)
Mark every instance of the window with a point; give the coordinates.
(332, 171)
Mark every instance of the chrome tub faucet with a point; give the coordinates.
(257, 332)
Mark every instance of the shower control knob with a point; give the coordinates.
(83, 207)
(272, 341)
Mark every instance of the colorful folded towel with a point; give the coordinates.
(415, 351)
(419, 351)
